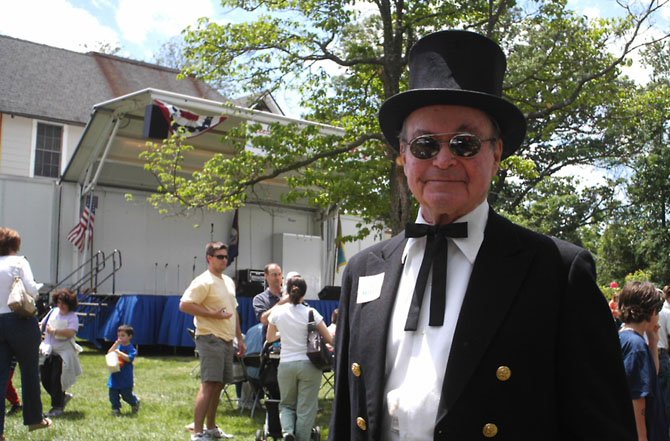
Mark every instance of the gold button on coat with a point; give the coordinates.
(361, 423)
(356, 369)
(490, 430)
(503, 373)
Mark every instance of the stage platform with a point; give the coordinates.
(157, 319)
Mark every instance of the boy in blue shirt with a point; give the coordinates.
(121, 383)
(640, 303)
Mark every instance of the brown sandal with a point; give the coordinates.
(45, 423)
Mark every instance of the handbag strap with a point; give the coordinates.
(43, 328)
(311, 326)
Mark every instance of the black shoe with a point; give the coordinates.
(16, 408)
(289, 437)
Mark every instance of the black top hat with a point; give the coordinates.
(458, 68)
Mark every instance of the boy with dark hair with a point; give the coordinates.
(640, 303)
(121, 383)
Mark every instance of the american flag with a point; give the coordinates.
(78, 234)
(193, 123)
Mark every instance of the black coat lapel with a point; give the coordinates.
(376, 315)
(498, 272)
(373, 324)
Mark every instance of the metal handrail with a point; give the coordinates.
(96, 263)
(89, 310)
(117, 263)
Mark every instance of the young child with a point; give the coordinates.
(121, 383)
(640, 303)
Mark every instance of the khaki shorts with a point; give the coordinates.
(216, 359)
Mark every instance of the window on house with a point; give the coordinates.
(48, 149)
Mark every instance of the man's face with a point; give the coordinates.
(448, 186)
(274, 278)
(218, 264)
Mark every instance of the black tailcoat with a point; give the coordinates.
(535, 353)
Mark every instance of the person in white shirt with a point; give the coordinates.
(299, 380)
(19, 336)
(663, 356)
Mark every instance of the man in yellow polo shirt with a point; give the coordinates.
(210, 298)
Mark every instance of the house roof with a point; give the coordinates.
(40, 81)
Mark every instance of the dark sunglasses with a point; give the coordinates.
(221, 256)
(464, 145)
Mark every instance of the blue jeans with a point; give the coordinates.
(299, 383)
(20, 338)
(127, 395)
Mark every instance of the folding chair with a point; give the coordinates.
(195, 372)
(328, 382)
(239, 378)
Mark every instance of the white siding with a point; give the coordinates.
(159, 252)
(30, 206)
(17, 144)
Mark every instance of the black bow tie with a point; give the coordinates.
(435, 255)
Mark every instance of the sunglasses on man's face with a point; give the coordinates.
(463, 145)
(221, 256)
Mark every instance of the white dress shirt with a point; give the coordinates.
(416, 361)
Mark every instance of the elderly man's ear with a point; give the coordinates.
(400, 159)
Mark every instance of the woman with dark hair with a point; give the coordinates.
(19, 336)
(639, 304)
(299, 380)
(61, 365)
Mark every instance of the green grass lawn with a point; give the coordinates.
(167, 388)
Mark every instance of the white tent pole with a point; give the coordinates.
(91, 185)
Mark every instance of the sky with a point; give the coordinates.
(141, 27)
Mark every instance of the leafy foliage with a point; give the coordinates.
(345, 57)
(638, 237)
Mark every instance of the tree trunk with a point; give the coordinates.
(401, 200)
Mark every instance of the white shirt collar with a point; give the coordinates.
(469, 246)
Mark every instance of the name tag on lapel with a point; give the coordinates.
(369, 288)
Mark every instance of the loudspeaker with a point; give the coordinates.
(250, 275)
(155, 125)
(330, 293)
(250, 282)
(249, 289)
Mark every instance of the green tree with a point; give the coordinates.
(103, 48)
(346, 57)
(645, 240)
(616, 255)
(558, 207)
(171, 54)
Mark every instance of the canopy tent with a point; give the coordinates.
(107, 153)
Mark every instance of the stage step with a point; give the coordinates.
(97, 305)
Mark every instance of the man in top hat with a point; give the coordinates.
(467, 326)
